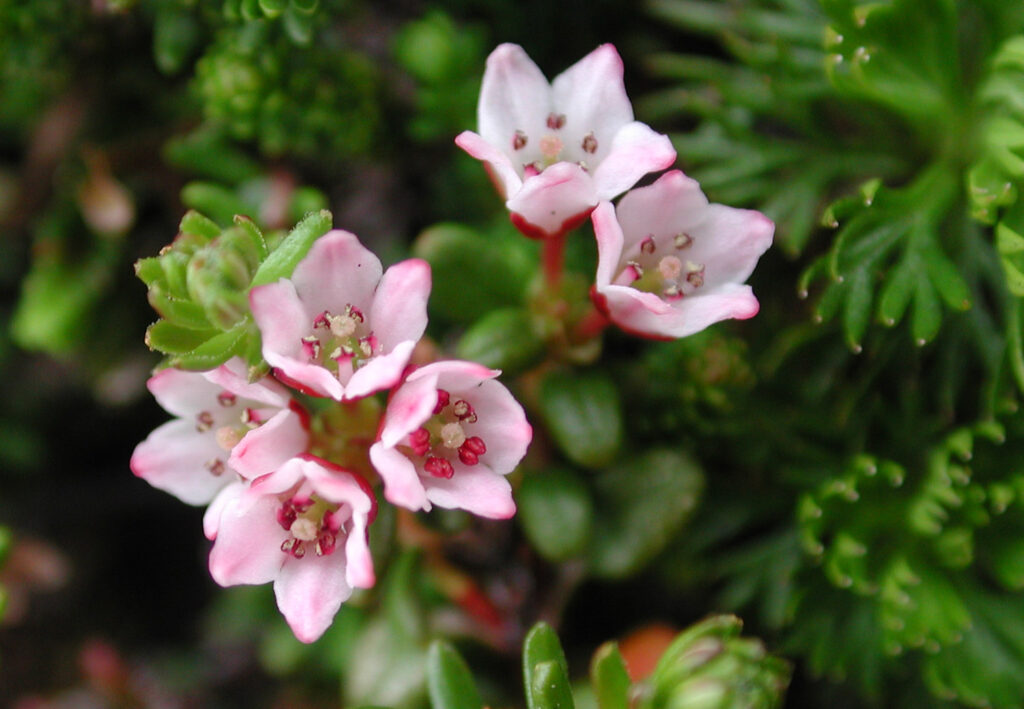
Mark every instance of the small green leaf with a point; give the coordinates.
(556, 513)
(584, 415)
(171, 339)
(273, 8)
(473, 275)
(946, 278)
(504, 339)
(927, 313)
(858, 307)
(180, 311)
(610, 678)
(545, 671)
(175, 37)
(217, 350)
(896, 293)
(449, 682)
(281, 263)
(642, 504)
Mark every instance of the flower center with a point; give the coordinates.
(340, 343)
(230, 433)
(311, 523)
(444, 437)
(552, 147)
(663, 273)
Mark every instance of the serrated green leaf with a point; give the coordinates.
(610, 678)
(281, 263)
(584, 415)
(449, 682)
(556, 512)
(545, 671)
(181, 312)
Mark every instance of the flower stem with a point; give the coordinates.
(553, 260)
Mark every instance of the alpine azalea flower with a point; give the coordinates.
(670, 264)
(451, 434)
(556, 150)
(304, 527)
(225, 425)
(339, 327)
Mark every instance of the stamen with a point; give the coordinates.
(648, 246)
(468, 457)
(452, 435)
(286, 515)
(294, 547)
(204, 421)
(419, 441)
(464, 411)
(443, 398)
(322, 321)
(325, 543)
(682, 240)
(589, 143)
(637, 268)
(311, 346)
(475, 444)
(695, 275)
(250, 417)
(226, 398)
(519, 140)
(439, 467)
(556, 120)
(215, 467)
(228, 437)
(366, 345)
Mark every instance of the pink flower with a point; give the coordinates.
(225, 425)
(670, 264)
(338, 328)
(555, 150)
(304, 527)
(450, 435)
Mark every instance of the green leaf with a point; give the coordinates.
(927, 312)
(505, 339)
(281, 263)
(642, 504)
(172, 339)
(217, 350)
(858, 307)
(945, 277)
(896, 293)
(583, 413)
(609, 677)
(273, 8)
(556, 513)
(175, 37)
(221, 203)
(473, 275)
(545, 671)
(449, 682)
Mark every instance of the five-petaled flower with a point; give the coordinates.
(304, 527)
(670, 264)
(556, 150)
(451, 434)
(225, 425)
(339, 327)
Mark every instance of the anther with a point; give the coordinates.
(475, 444)
(286, 515)
(589, 144)
(323, 320)
(226, 398)
(638, 270)
(519, 140)
(294, 547)
(204, 421)
(468, 457)
(682, 240)
(325, 543)
(250, 417)
(366, 346)
(438, 467)
(556, 120)
(215, 467)
(311, 346)
(648, 246)
(695, 275)
(419, 441)
(464, 411)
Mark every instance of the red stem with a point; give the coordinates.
(553, 260)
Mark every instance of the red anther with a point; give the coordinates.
(467, 456)
(355, 313)
(311, 347)
(464, 410)
(518, 140)
(301, 504)
(443, 398)
(294, 547)
(322, 320)
(647, 245)
(439, 467)
(475, 444)
(589, 144)
(286, 515)
(556, 120)
(216, 466)
(419, 441)
(325, 543)
(204, 421)
(251, 416)
(226, 398)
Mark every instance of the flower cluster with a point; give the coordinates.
(341, 328)
(670, 264)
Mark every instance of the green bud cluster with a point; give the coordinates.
(258, 86)
(199, 285)
(710, 666)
